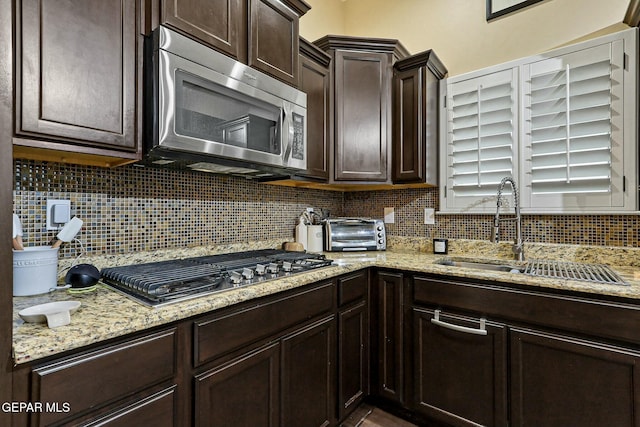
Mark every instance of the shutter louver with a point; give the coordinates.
(482, 129)
(571, 129)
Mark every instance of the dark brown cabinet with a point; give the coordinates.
(261, 33)
(308, 375)
(572, 360)
(415, 118)
(353, 341)
(221, 24)
(315, 81)
(133, 381)
(388, 353)
(245, 390)
(78, 92)
(362, 91)
(558, 380)
(460, 369)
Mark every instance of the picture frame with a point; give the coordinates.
(497, 8)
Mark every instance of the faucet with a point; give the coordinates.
(518, 246)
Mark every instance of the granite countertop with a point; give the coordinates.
(106, 314)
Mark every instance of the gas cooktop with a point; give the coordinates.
(165, 282)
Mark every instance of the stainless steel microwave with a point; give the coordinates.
(355, 234)
(211, 113)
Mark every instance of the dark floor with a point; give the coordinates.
(370, 416)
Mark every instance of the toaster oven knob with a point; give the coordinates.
(379, 234)
(381, 241)
(379, 228)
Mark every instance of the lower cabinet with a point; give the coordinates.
(129, 383)
(389, 332)
(558, 380)
(535, 369)
(289, 382)
(460, 373)
(308, 376)
(245, 390)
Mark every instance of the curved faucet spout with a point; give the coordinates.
(518, 246)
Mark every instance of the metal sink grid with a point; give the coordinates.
(594, 273)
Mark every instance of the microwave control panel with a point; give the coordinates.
(298, 137)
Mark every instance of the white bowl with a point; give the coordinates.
(54, 313)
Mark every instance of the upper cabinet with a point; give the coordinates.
(563, 124)
(315, 81)
(78, 74)
(415, 118)
(362, 93)
(260, 33)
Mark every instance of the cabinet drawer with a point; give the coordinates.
(214, 337)
(92, 380)
(605, 319)
(353, 287)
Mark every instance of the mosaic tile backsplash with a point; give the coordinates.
(132, 209)
(409, 204)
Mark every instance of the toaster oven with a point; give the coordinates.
(355, 234)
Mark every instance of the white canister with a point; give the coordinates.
(314, 238)
(35, 270)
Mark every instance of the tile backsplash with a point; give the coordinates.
(409, 204)
(131, 208)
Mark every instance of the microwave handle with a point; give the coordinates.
(288, 138)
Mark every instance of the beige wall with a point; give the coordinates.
(457, 30)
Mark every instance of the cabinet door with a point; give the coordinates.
(562, 381)
(78, 71)
(363, 116)
(415, 126)
(244, 390)
(315, 81)
(353, 357)
(308, 376)
(389, 341)
(220, 23)
(273, 40)
(460, 373)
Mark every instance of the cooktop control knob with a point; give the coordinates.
(247, 273)
(235, 277)
(287, 266)
(272, 268)
(260, 269)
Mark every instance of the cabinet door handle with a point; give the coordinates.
(480, 331)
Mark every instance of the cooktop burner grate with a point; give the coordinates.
(162, 282)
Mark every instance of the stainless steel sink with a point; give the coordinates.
(593, 273)
(481, 265)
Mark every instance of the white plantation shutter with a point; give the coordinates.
(481, 150)
(573, 125)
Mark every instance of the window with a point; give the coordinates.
(568, 137)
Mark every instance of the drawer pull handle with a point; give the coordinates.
(480, 331)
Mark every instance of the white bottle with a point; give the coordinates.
(301, 233)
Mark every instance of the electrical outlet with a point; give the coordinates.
(58, 213)
(389, 216)
(429, 216)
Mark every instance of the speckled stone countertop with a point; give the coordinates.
(106, 314)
